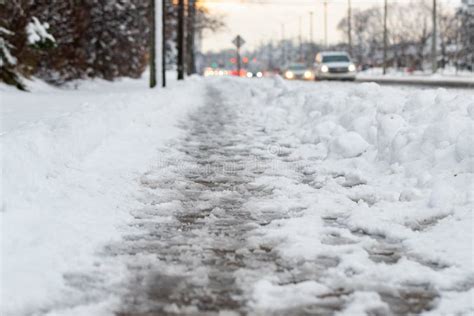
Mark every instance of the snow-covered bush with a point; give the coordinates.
(6, 57)
(8, 61)
(38, 35)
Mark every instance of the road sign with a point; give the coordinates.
(238, 41)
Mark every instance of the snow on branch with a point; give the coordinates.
(38, 35)
(6, 58)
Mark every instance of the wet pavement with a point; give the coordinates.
(207, 236)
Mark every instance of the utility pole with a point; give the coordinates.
(385, 37)
(239, 63)
(190, 37)
(300, 38)
(434, 57)
(311, 39)
(283, 44)
(270, 55)
(349, 25)
(152, 44)
(325, 23)
(163, 43)
(157, 17)
(180, 40)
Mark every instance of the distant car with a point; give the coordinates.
(255, 73)
(298, 72)
(214, 72)
(334, 65)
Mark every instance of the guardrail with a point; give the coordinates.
(431, 82)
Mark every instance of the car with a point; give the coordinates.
(214, 72)
(255, 73)
(298, 71)
(334, 65)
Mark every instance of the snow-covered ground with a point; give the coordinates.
(388, 172)
(273, 197)
(70, 160)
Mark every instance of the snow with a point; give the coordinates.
(363, 303)
(349, 145)
(70, 159)
(6, 57)
(276, 297)
(389, 162)
(38, 32)
(355, 195)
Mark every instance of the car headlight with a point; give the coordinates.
(352, 68)
(289, 75)
(259, 74)
(308, 74)
(324, 68)
(249, 74)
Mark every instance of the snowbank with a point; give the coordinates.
(69, 163)
(363, 170)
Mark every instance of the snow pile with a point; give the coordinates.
(70, 160)
(349, 145)
(374, 183)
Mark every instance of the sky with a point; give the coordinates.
(259, 21)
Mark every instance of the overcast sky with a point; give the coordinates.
(261, 20)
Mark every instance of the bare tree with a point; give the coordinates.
(366, 33)
(448, 29)
(409, 34)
